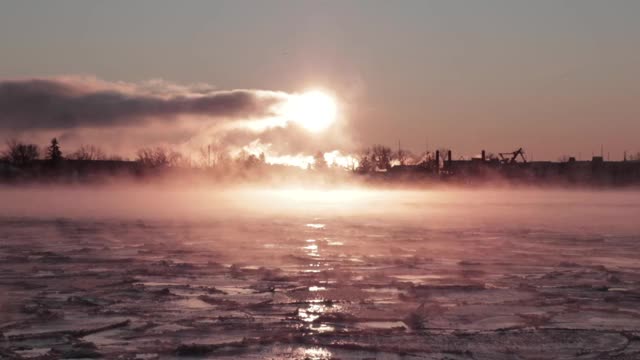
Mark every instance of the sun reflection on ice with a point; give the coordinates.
(317, 306)
(312, 312)
(312, 249)
(322, 328)
(315, 353)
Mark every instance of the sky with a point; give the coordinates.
(554, 77)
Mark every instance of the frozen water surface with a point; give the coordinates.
(513, 274)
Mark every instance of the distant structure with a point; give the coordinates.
(513, 156)
(514, 167)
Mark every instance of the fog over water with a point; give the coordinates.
(248, 214)
(439, 207)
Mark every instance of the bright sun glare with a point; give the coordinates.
(314, 110)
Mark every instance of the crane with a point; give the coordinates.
(511, 157)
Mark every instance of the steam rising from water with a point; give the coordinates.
(506, 208)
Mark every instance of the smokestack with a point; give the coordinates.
(483, 156)
(437, 159)
(449, 156)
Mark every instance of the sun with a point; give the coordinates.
(314, 110)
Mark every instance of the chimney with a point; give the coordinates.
(437, 159)
(449, 156)
(483, 156)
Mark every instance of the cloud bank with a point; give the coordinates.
(74, 103)
(122, 117)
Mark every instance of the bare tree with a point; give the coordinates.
(176, 159)
(159, 157)
(88, 152)
(246, 160)
(146, 157)
(365, 162)
(20, 154)
(208, 156)
(381, 157)
(211, 156)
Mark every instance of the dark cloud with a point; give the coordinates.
(121, 117)
(50, 104)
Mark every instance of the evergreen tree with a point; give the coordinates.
(320, 163)
(53, 151)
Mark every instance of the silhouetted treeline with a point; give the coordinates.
(22, 162)
(26, 162)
